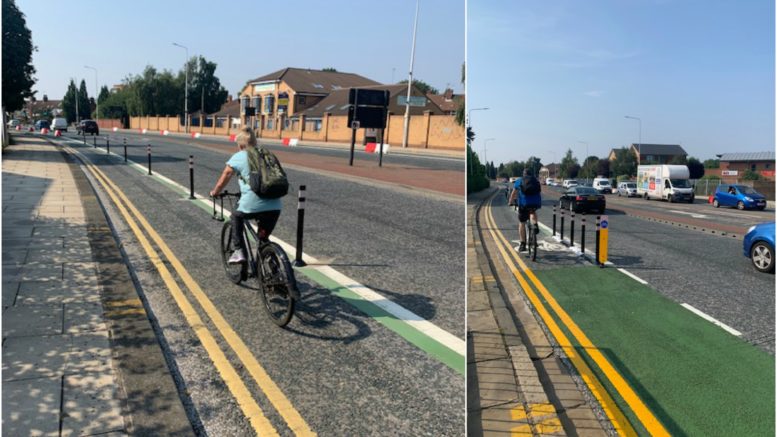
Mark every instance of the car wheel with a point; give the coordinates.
(715, 203)
(740, 205)
(762, 255)
(669, 198)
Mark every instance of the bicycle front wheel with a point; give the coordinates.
(277, 283)
(235, 272)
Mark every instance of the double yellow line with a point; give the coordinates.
(237, 387)
(610, 407)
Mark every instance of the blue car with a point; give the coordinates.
(741, 196)
(759, 246)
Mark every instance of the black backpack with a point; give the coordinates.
(266, 178)
(530, 186)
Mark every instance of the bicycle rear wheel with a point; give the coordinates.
(235, 272)
(277, 283)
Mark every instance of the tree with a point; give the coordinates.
(69, 102)
(422, 86)
(750, 175)
(84, 103)
(568, 163)
(678, 160)
(625, 163)
(695, 168)
(712, 163)
(589, 168)
(603, 168)
(17, 58)
(104, 94)
(533, 164)
(330, 69)
(462, 107)
(209, 95)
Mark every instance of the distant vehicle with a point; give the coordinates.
(42, 124)
(59, 124)
(550, 182)
(569, 183)
(666, 182)
(602, 185)
(628, 189)
(759, 246)
(13, 123)
(88, 127)
(583, 199)
(741, 196)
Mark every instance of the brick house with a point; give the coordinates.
(735, 164)
(654, 153)
(446, 101)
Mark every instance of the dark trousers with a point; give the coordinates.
(266, 219)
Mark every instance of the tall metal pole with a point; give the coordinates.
(186, 88)
(639, 146)
(410, 79)
(77, 118)
(97, 104)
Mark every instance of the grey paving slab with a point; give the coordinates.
(89, 353)
(80, 272)
(31, 407)
(90, 405)
(30, 320)
(84, 317)
(14, 255)
(35, 357)
(58, 255)
(10, 290)
(40, 272)
(59, 230)
(31, 293)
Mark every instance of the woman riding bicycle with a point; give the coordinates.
(250, 206)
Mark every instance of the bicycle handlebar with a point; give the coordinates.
(226, 194)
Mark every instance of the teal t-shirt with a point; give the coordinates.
(249, 201)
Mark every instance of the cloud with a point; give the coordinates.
(594, 93)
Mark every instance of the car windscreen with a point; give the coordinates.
(631, 185)
(681, 183)
(585, 191)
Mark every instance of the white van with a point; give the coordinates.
(666, 182)
(569, 183)
(602, 185)
(59, 124)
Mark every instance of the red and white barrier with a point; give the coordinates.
(374, 148)
(44, 131)
(115, 129)
(18, 127)
(285, 141)
(165, 132)
(143, 131)
(196, 134)
(57, 133)
(293, 142)
(32, 129)
(233, 138)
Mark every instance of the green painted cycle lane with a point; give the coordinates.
(695, 377)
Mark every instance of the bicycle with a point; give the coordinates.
(277, 284)
(532, 229)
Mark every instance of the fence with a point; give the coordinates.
(426, 131)
(707, 187)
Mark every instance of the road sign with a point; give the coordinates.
(419, 101)
(603, 237)
(604, 222)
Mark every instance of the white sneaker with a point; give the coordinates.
(237, 257)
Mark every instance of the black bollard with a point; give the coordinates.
(191, 177)
(83, 133)
(554, 220)
(582, 236)
(94, 140)
(108, 145)
(125, 149)
(148, 150)
(562, 226)
(572, 230)
(597, 240)
(298, 262)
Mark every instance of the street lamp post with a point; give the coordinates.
(97, 104)
(406, 130)
(186, 88)
(639, 146)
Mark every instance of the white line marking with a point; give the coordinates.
(692, 214)
(633, 276)
(428, 328)
(708, 318)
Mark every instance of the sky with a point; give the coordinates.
(246, 39)
(558, 74)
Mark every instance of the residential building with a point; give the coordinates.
(654, 153)
(447, 101)
(735, 164)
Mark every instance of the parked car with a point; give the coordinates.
(42, 124)
(741, 196)
(59, 124)
(628, 189)
(568, 183)
(550, 181)
(759, 246)
(581, 199)
(88, 127)
(13, 123)
(602, 185)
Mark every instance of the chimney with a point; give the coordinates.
(229, 98)
(448, 94)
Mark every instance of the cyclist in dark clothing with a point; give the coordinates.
(528, 204)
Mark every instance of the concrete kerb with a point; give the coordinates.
(395, 150)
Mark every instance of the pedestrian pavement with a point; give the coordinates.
(60, 376)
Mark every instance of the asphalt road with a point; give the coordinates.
(346, 373)
(704, 270)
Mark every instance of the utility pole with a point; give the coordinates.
(410, 79)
